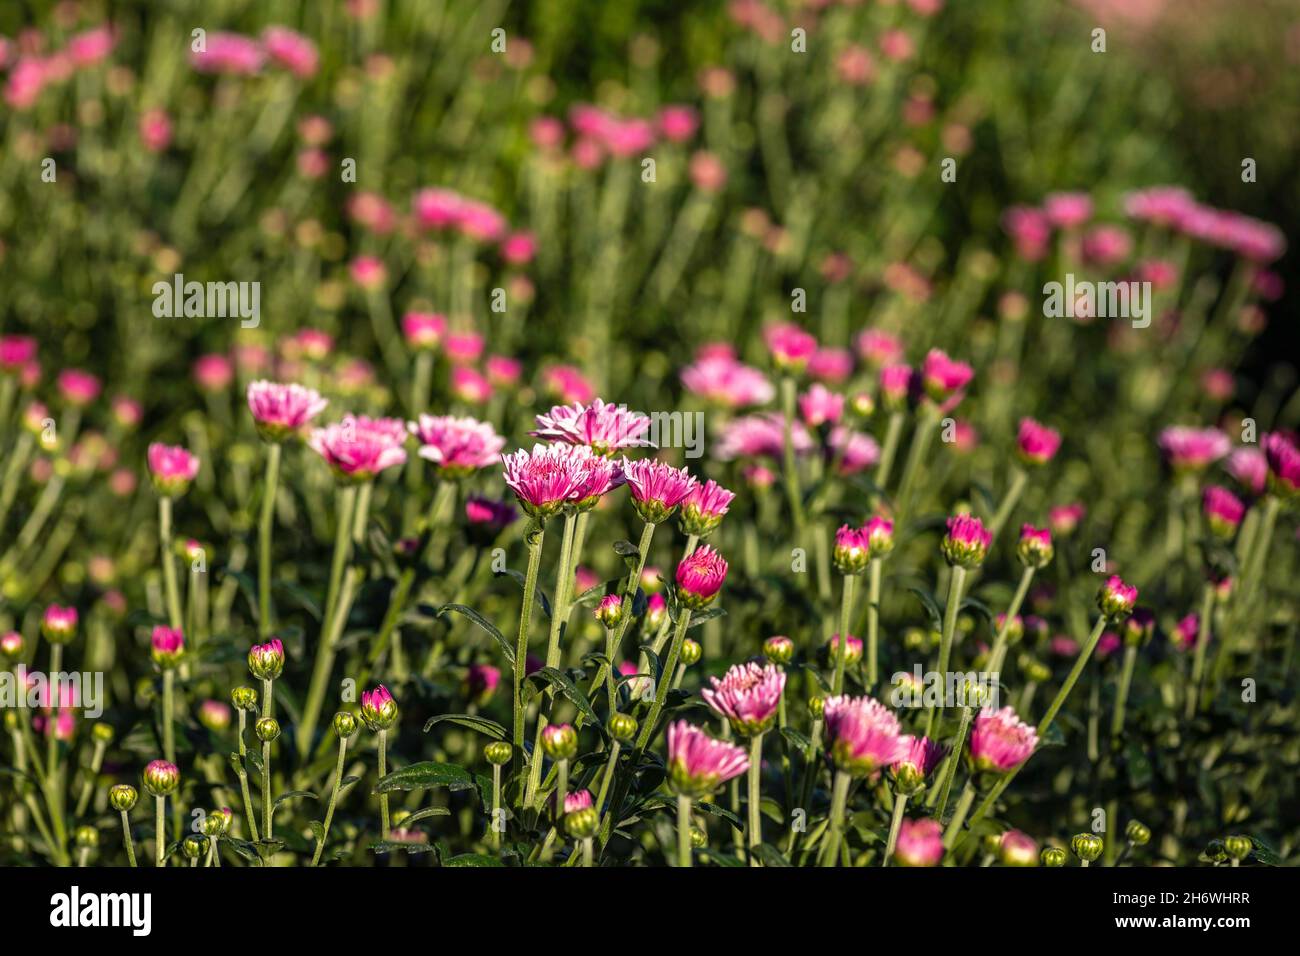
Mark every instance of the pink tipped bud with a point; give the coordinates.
(172, 469)
(920, 843)
(161, 778)
(610, 611)
(779, 649)
(1036, 444)
(1000, 741)
(1283, 460)
(266, 661)
(1116, 599)
(852, 550)
(59, 623)
(166, 647)
(700, 577)
(698, 764)
(880, 536)
(560, 741)
(967, 541)
(704, 507)
(378, 709)
(1035, 546)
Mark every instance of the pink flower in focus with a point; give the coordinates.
(699, 577)
(747, 696)
(166, 646)
(358, 448)
(657, 488)
(697, 764)
(1000, 741)
(967, 541)
(1116, 599)
(601, 426)
(919, 758)
(458, 446)
(704, 507)
(172, 468)
(862, 735)
(547, 477)
(280, 411)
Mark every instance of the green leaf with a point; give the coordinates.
(800, 741)
(395, 846)
(539, 596)
(770, 855)
(626, 549)
(699, 617)
(722, 859)
(931, 605)
(425, 814)
(484, 726)
(292, 795)
(569, 689)
(714, 810)
(484, 623)
(426, 776)
(301, 596)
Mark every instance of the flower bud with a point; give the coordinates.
(1138, 833)
(102, 732)
(266, 661)
(691, 652)
(166, 647)
(216, 823)
(1017, 849)
(1034, 549)
(1086, 846)
(161, 778)
(967, 541)
(214, 715)
(11, 644)
(244, 698)
(87, 837)
(582, 824)
(345, 724)
(122, 797)
(815, 707)
(610, 611)
(498, 753)
(1053, 856)
(59, 624)
(622, 727)
(852, 551)
(378, 709)
(267, 729)
(779, 649)
(1216, 852)
(699, 839)
(1238, 847)
(192, 846)
(862, 404)
(560, 741)
(880, 536)
(1116, 599)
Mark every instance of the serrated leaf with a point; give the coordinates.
(481, 621)
(484, 726)
(425, 776)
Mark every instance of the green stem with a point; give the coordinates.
(889, 450)
(873, 621)
(753, 801)
(683, 830)
(999, 651)
(496, 806)
(168, 566)
(334, 796)
(126, 839)
(521, 643)
(895, 824)
(954, 758)
(839, 797)
(921, 438)
(842, 651)
(1121, 693)
(168, 707)
(266, 790)
(265, 524)
(789, 465)
(160, 831)
(383, 797)
(661, 691)
(1009, 502)
(956, 581)
(959, 814)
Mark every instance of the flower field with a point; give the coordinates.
(769, 433)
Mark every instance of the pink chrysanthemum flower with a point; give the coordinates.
(503, 371)
(704, 507)
(880, 535)
(1037, 444)
(1186, 632)
(568, 384)
(213, 373)
(699, 577)
(1017, 849)
(831, 365)
(967, 541)
(856, 451)
(15, 352)
(602, 427)
(1116, 599)
(862, 735)
(920, 843)
(578, 800)
(697, 764)
(228, 53)
(729, 383)
(852, 551)
(1250, 467)
(1064, 519)
(358, 448)
(610, 611)
(166, 646)
(1035, 548)
(469, 386)
(657, 488)
(458, 446)
(852, 650)
(1223, 510)
(1000, 741)
(424, 330)
(291, 50)
(1067, 210)
(78, 388)
(378, 709)
(1193, 449)
(172, 468)
(760, 435)
(547, 477)
(920, 757)
(59, 623)
(791, 347)
(895, 385)
(463, 348)
(600, 476)
(942, 378)
(1283, 465)
(820, 406)
(747, 696)
(488, 513)
(280, 411)
(879, 348)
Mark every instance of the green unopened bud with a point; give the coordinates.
(11, 720)
(192, 846)
(498, 753)
(345, 724)
(1238, 847)
(1216, 852)
(244, 698)
(102, 732)
(1053, 856)
(582, 824)
(267, 728)
(915, 639)
(1138, 833)
(122, 797)
(213, 825)
(699, 839)
(779, 649)
(991, 843)
(1086, 846)
(691, 652)
(87, 838)
(560, 741)
(622, 727)
(908, 779)
(815, 706)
